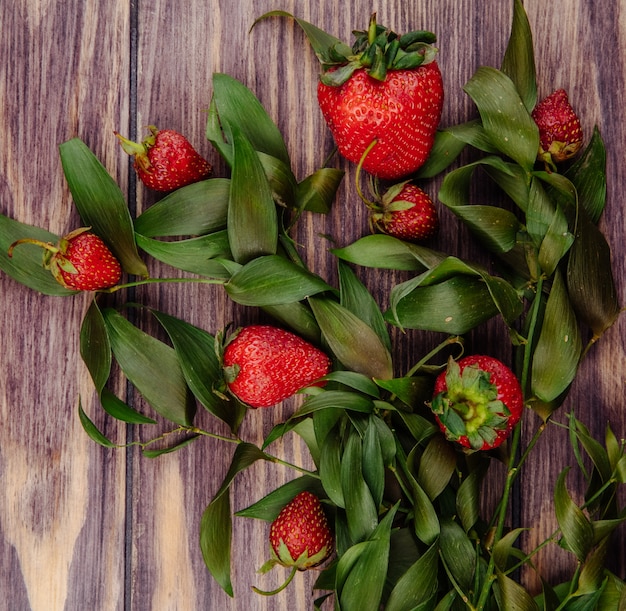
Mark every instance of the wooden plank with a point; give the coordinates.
(62, 506)
(65, 520)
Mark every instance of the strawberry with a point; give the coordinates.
(165, 160)
(383, 99)
(407, 212)
(560, 132)
(81, 261)
(264, 365)
(477, 401)
(300, 535)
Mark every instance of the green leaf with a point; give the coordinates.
(354, 343)
(511, 595)
(588, 175)
(426, 520)
(590, 281)
(235, 104)
(361, 577)
(327, 48)
(576, 528)
(386, 252)
(271, 505)
(436, 466)
(252, 218)
(505, 119)
(335, 399)
(215, 540)
(216, 522)
(411, 390)
(458, 553)
(452, 298)
(330, 467)
(196, 353)
(119, 410)
(152, 367)
(556, 242)
(26, 264)
(417, 584)
(195, 255)
(273, 280)
(495, 227)
(356, 298)
(446, 148)
(361, 509)
(558, 350)
(298, 317)
(101, 203)
(374, 462)
(195, 209)
(95, 348)
(92, 431)
(519, 58)
(318, 190)
(183, 443)
(468, 495)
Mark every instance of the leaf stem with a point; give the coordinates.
(119, 287)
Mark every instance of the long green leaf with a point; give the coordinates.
(317, 191)
(95, 347)
(235, 104)
(101, 203)
(273, 280)
(215, 540)
(195, 209)
(418, 584)
(252, 217)
(505, 119)
(576, 528)
(199, 255)
(458, 553)
(558, 350)
(152, 367)
(26, 264)
(519, 58)
(353, 342)
(196, 352)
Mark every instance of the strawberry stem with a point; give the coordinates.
(357, 178)
(280, 588)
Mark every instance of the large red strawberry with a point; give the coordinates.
(477, 401)
(165, 160)
(406, 212)
(383, 99)
(81, 261)
(264, 365)
(560, 132)
(300, 535)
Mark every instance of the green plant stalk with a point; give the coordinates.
(127, 285)
(514, 464)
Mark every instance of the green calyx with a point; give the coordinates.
(378, 50)
(139, 150)
(469, 406)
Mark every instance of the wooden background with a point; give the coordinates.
(83, 527)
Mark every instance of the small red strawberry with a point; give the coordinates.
(165, 160)
(300, 538)
(383, 100)
(300, 535)
(81, 261)
(477, 401)
(264, 365)
(407, 212)
(560, 132)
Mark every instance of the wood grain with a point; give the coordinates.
(83, 527)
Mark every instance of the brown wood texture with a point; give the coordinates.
(84, 527)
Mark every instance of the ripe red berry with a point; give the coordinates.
(300, 535)
(560, 132)
(407, 212)
(400, 114)
(166, 160)
(477, 401)
(81, 261)
(264, 365)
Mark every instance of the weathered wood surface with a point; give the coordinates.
(83, 527)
